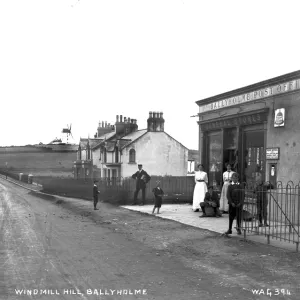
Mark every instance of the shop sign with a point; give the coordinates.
(237, 121)
(279, 117)
(272, 153)
(252, 96)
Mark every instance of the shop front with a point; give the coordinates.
(255, 129)
(239, 141)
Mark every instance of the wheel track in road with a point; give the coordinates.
(15, 261)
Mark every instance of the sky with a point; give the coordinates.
(80, 62)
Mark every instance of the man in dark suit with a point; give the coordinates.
(211, 200)
(235, 196)
(95, 194)
(142, 178)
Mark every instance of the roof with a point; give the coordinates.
(144, 132)
(249, 88)
(102, 138)
(131, 137)
(83, 142)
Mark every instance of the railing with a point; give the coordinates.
(281, 208)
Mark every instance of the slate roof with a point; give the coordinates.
(83, 142)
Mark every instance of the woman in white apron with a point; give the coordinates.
(226, 179)
(200, 189)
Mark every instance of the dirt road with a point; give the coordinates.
(62, 249)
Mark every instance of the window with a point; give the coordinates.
(105, 155)
(132, 156)
(116, 154)
(100, 154)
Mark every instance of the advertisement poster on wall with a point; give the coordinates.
(279, 117)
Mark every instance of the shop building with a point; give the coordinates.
(255, 129)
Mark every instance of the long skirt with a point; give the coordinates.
(199, 194)
(223, 200)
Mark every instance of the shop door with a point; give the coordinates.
(253, 155)
(230, 149)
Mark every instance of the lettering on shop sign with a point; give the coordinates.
(272, 153)
(252, 96)
(238, 121)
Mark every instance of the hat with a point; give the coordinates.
(139, 165)
(210, 187)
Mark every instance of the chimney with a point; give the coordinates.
(155, 122)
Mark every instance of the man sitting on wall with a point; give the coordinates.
(211, 204)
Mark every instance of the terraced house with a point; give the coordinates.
(116, 150)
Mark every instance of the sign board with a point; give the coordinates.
(279, 117)
(252, 96)
(272, 153)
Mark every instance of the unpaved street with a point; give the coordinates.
(55, 248)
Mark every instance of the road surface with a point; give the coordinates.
(62, 249)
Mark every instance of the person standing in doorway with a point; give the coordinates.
(226, 179)
(236, 196)
(200, 189)
(95, 194)
(262, 199)
(142, 178)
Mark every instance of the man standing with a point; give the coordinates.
(235, 196)
(142, 178)
(95, 194)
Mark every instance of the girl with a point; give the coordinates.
(226, 179)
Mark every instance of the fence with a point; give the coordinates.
(279, 207)
(120, 190)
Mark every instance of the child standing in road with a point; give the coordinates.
(158, 193)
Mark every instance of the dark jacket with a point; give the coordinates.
(261, 192)
(142, 178)
(212, 198)
(158, 192)
(95, 191)
(236, 194)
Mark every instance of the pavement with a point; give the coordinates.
(184, 214)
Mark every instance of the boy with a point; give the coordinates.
(95, 194)
(158, 193)
(235, 196)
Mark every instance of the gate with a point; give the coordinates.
(280, 207)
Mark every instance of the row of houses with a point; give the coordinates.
(254, 128)
(116, 150)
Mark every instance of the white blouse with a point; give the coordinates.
(227, 175)
(200, 175)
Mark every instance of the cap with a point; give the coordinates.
(139, 165)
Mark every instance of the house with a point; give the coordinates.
(193, 160)
(115, 151)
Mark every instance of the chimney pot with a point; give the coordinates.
(150, 114)
(102, 123)
(121, 118)
(125, 119)
(128, 120)
(105, 123)
(117, 118)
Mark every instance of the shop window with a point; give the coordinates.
(132, 156)
(214, 144)
(230, 149)
(253, 156)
